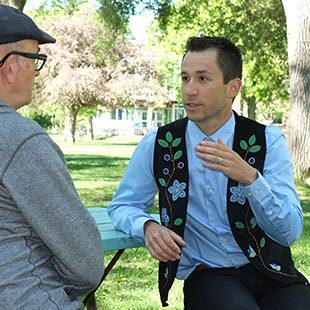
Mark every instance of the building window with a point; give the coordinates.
(117, 114)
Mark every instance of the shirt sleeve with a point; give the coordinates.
(40, 185)
(135, 194)
(272, 196)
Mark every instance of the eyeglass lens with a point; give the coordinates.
(38, 64)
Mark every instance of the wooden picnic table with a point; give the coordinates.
(111, 240)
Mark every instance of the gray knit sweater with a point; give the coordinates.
(50, 248)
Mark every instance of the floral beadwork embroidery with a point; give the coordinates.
(177, 190)
(253, 222)
(260, 244)
(250, 146)
(237, 195)
(174, 189)
(251, 252)
(165, 217)
(166, 273)
(251, 160)
(275, 267)
(254, 250)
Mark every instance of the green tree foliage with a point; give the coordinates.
(69, 6)
(257, 27)
(44, 120)
(117, 13)
(60, 7)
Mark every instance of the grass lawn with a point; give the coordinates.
(97, 168)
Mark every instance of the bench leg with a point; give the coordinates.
(91, 303)
(90, 299)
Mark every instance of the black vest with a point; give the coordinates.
(171, 173)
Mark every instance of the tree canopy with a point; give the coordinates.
(87, 68)
(118, 12)
(245, 23)
(259, 29)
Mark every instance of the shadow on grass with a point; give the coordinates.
(96, 177)
(120, 143)
(97, 166)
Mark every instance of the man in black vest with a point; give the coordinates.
(228, 204)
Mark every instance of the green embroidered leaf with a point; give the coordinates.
(262, 242)
(178, 222)
(255, 149)
(163, 143)
(243, 145)
(252, 139)
(169, 136)
(176, 142)
(162, 182)
(177, 155)
(239, 225)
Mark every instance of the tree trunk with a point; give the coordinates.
(90, 130)
(70, 123)
(149, 125)
(298, 127)
(19, 4)
(251, 104)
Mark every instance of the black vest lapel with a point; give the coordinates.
(171, 173)
(265, 254)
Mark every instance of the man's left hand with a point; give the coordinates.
(218, 156)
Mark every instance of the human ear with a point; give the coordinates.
(10, 70)
(234, 87)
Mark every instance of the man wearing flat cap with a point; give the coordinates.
(50, 247)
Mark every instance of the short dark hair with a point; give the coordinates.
(229, 57)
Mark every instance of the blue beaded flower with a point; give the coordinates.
(237, 195)
(177, 190)
(165, 217)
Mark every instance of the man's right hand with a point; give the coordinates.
(163, 243)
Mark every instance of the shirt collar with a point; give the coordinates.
(3, 104)
(225, 132)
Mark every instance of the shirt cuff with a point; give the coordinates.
(258, 190)
(138, 229)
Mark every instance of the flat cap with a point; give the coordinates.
(16, 26)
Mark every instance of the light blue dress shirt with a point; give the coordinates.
(208, 236)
